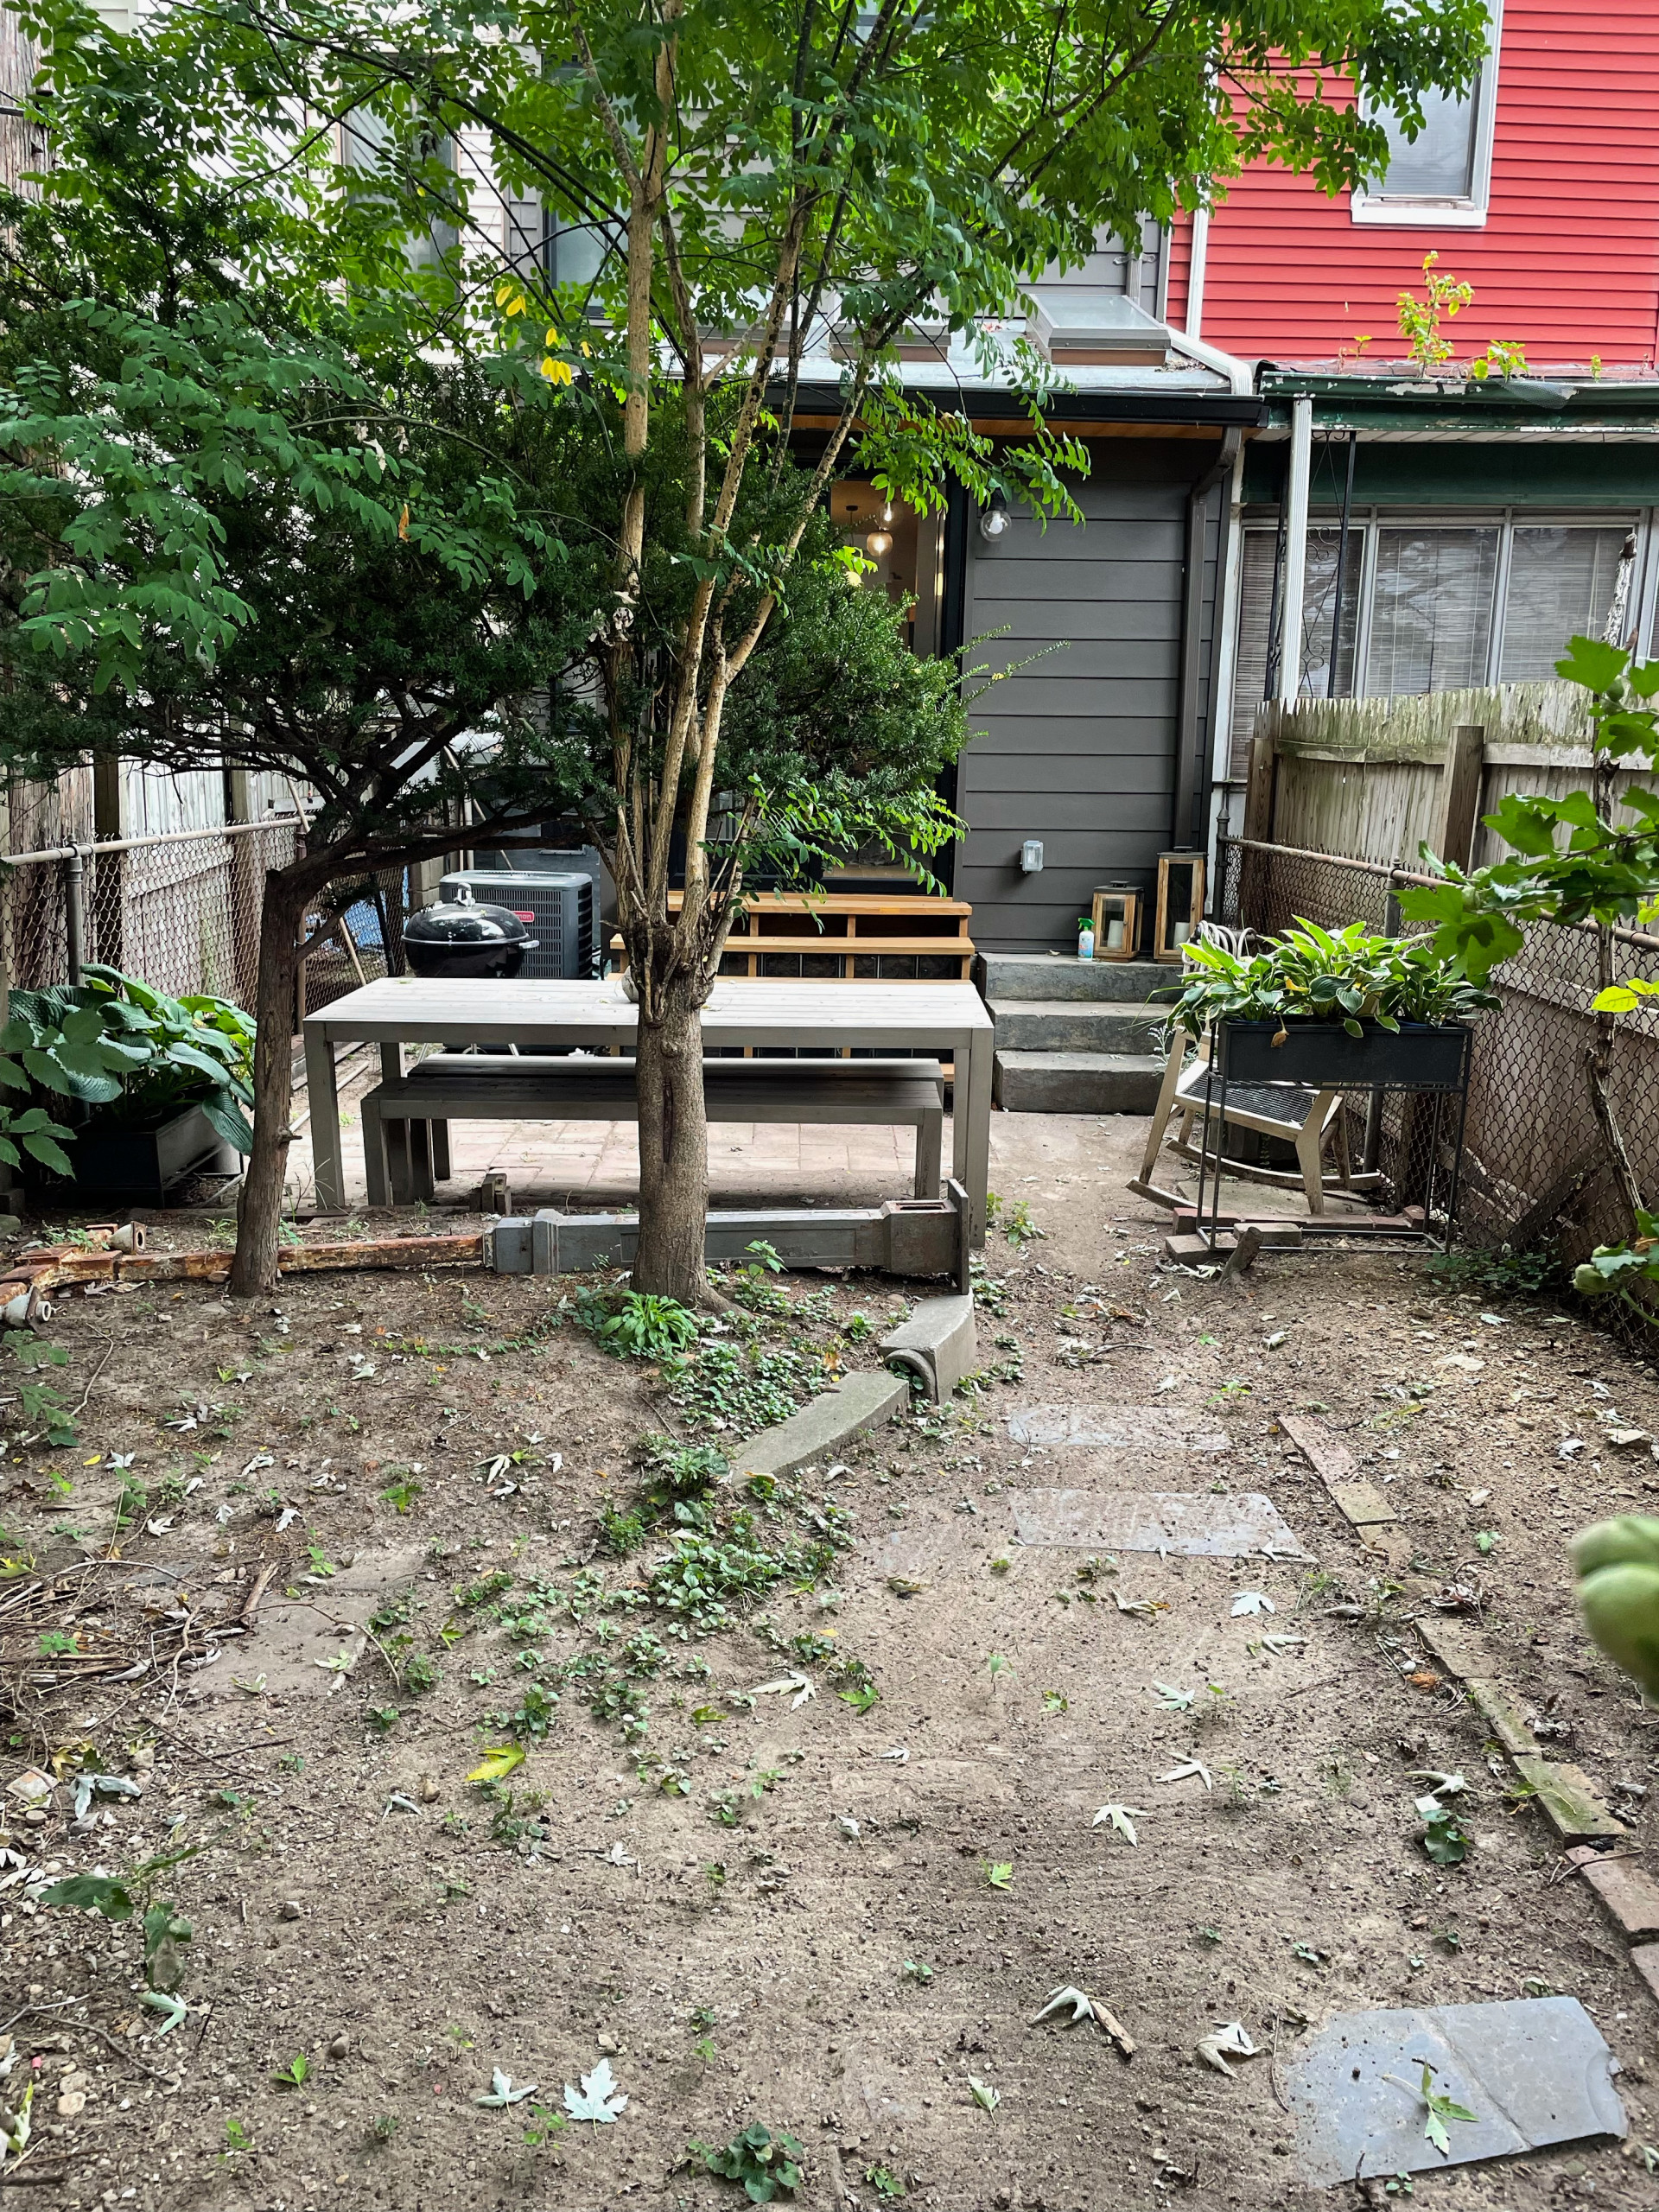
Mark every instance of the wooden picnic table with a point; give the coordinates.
(948, 1019)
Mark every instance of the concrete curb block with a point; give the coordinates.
(830, 1420)
(939, 1342)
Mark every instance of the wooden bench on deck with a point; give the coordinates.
(487, 1087)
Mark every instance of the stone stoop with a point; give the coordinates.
(1076, 1036)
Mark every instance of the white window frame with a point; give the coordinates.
(1465, 212)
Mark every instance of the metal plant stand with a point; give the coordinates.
(1415, 1061)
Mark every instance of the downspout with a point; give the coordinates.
(1187, 829)
(1290, 619)
(1239, 380)
(1197, 258)
(1223, 679)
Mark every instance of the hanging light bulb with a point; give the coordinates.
(879, 541)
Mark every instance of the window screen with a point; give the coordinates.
(1562, 584)
(1319, 607)
(1440, 162)
(1431, 610)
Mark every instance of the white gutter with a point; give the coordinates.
(1211, 356)
(1290, 621)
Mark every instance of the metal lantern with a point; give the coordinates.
(1117, 921)
(1179, 903)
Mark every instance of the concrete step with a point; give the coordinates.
(1077, 1082)
(1062, 975)
(1075, 1025)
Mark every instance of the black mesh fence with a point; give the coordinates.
(1534, 1166)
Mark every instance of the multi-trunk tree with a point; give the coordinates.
(765, 186)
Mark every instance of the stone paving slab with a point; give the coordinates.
(1198, 1524)
(1533, 2071)
(1140, 1428)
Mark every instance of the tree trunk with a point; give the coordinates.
(673, 1150)
(260, 1211)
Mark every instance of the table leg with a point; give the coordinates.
(323, 1098)
(970, 1124)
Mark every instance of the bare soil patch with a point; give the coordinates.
(801, 1928)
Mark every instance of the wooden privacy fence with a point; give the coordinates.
(1376, 780)
(1341, 795)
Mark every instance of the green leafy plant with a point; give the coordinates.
(1445, 1838)
(886, 2183)
(1439, 2107)
(38, 1401)
(40, 1137)
(1345, 975)
(135, 1055)
(768, 2165)
(636, 1325)
(295, 2074)
(121, 1898)
(1419, 321)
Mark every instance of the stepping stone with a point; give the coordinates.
(1569, 1799)
(1629, 1892)
(1533, 2071)
(1142, 1428)
(1189, 1524)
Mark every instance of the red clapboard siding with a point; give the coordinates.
(1568, 262)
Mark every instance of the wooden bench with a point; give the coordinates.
(464, 1086)
(854, 935)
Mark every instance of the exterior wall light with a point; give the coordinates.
(996, 520)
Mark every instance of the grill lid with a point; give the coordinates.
(465, 920)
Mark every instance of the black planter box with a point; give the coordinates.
(141, 1165)
(1322, 1055)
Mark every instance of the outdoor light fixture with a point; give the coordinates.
(879, 541)
(995, 521)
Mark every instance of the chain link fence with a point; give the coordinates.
(181, 910)
(1534, 1162)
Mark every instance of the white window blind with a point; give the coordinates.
(1561, 581)
(1431, 610)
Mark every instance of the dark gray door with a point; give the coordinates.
(1079, 747)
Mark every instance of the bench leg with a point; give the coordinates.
(440, 1151)
(376, 1167)
(930, 1151)
(418, 1161)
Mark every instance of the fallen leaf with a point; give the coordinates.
(498, 1764)
(797, 1682)
(1230, 2041)
(1424, 1679)
(1186, 1772)
(599, 2100)
(902, 1586)
(1252, 1601)
(1282, 1643)
(1123, 1818)
(162, 2001)
(504, 2090)
(1061, 2001)
(984, 2096)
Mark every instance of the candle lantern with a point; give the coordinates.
(1180, 907)
(1117, 921)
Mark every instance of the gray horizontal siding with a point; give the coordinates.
(1077, 749)
(1080, 776)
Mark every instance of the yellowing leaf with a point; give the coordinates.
(557, 372)
(497, 1764)
(403, 532)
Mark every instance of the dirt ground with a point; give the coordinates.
(752, 1905)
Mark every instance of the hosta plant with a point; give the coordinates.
(132, 1054)
(1311, 974)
